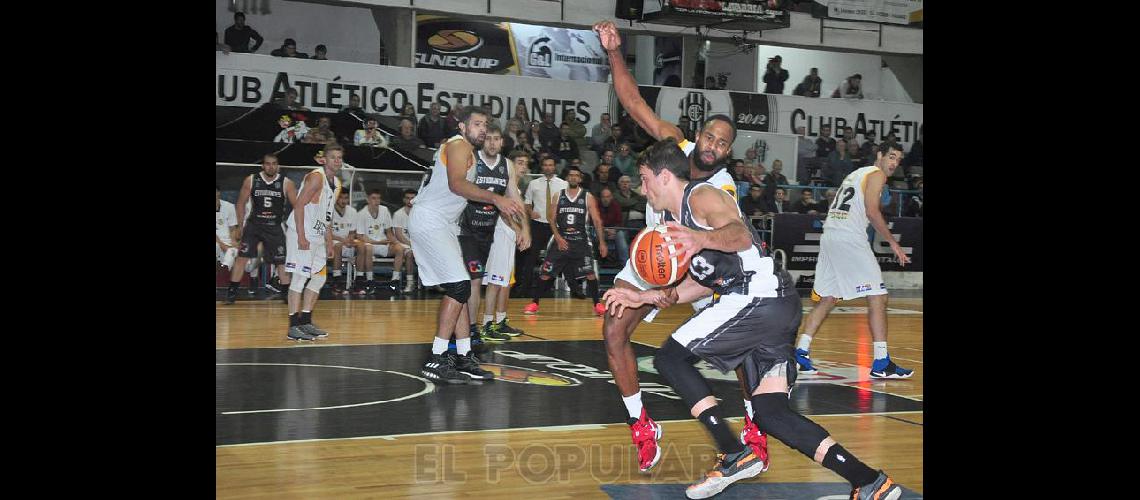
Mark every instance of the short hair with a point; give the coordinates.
(572, 168)
(494, 128)
(665, 155)
(239, 14)
(465, 113)
(518, 153)
(604, 189)
(412, 192)
(332, 146)
(808, 191)
(375, 191)
(551, 158)
(406, 119)
(291, 90)
(342, 192)
(886, 147)
(267, 156)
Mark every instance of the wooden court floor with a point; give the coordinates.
(533, 461)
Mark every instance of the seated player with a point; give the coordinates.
(374, 239)
(344, 240)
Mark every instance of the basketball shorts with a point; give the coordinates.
(476, 248)
(271, 237)
(438, 255)
(577, 261)
(501, 260)
(847, 269)
(307, 263)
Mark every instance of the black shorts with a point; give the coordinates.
(475, 249)
(757, 333)
(269, 235)
(575, 262)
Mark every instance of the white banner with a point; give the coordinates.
(561, 53)
(252, 80)
(768, 148)
(883, 117)
(879, 11)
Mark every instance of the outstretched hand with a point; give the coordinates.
(608, 34)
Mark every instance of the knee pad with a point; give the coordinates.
(774, 415)
(460, 290)
(316, 282)
(674, 362)
(297, 284)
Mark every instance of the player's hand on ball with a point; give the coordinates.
(608, 34)
(685, 242)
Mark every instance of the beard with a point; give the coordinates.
(700, 163)
(476, 140)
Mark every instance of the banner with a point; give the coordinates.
(879, 11)
(560, 53)
(475, 46)
(324, 86)
(782, 114)
(798, 236)
(768, 148)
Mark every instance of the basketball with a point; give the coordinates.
(649, 254)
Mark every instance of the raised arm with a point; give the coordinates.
(626, 87)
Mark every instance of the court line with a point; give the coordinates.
(428, 387)
(904, 420)
(849, 352)
(551, 428)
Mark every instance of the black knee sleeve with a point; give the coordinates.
(460, 290)
(774, 416)
(675, 363)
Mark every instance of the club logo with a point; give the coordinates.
(520, 375)
(540, 54)
(695, 106)
(455, 41)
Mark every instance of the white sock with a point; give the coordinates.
(748, 407)
(880, 349)
(368, 275)
(500, 316)
(805, 342)
(395, 275)
(487, 318)
(336, 273)
(633, 405)
(438, 345)
(463, 346)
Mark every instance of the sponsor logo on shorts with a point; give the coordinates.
(496, 277)
(547, 266)
(865, 287)
(474, 266)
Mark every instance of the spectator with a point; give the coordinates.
(778, 204)
(432, 128)
(567, 147)
(613, 142)
(291, 132)
(238, 36)
(805, 147)
(577, 129)
(219, 45)
(631, 202)
(451, 124)
(370, 135)
(290, 102)
(839, 164)
(520, 112)
(806, 204)
(893, 140)
(824, 145)
(849, 135)
(830, 198)
(549, 134)
(407, 138)
(289, 49)
(524, 145)
(753, 204)
(538, 195)
(750, 159)
(321, 52)
(625, 161)
(511, 136)
(612, 220)
(608, 157)
(710, 83)
(810, 87)
(600, 133)
(868, 150)
(851, 88)
(323, 134)
(739, 171)
(353, 106)
(853, 153)
(913, 206)
(225, 229)
(775, 76)
(776, 176)
(754, 174)
(409, 111)
(605, 177)
(914, 157)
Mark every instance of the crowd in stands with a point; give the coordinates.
(239, 35)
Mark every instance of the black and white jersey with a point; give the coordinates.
(267, 200)
(479, 218)
(572, 215)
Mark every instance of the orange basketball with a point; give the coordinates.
(649, 255)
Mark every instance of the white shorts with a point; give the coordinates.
(438, 256)
(346, 251)
(501, 259)
(227, 257)
(380, 250)
(309, 262)
(847, 269)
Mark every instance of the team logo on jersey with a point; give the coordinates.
(452, 41)
(518, 375)
(540, 54)
(474, 266)
(695, 106)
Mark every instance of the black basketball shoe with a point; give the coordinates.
(440, 368)
(469, 364)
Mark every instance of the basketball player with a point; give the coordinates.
(308, 242)
(847, 268)
(374, 238)
(225, 232)
(751, 325)
(477, 224)
(501, 262)
(343, 219)
(570, 251)
(706, 161)
(433, 228)
(268, 191)
(400, 233)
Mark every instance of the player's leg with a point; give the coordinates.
(396, 250)
(295, 260)
(317, 279)
(589, 269)
(552, 266)
(623, 365)
(751, 435)
(253, 266)
(410, 267)
(247, 248)
(826, 291)
(883, 367)
(442, 264)
(338, 286)
(363, 262)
